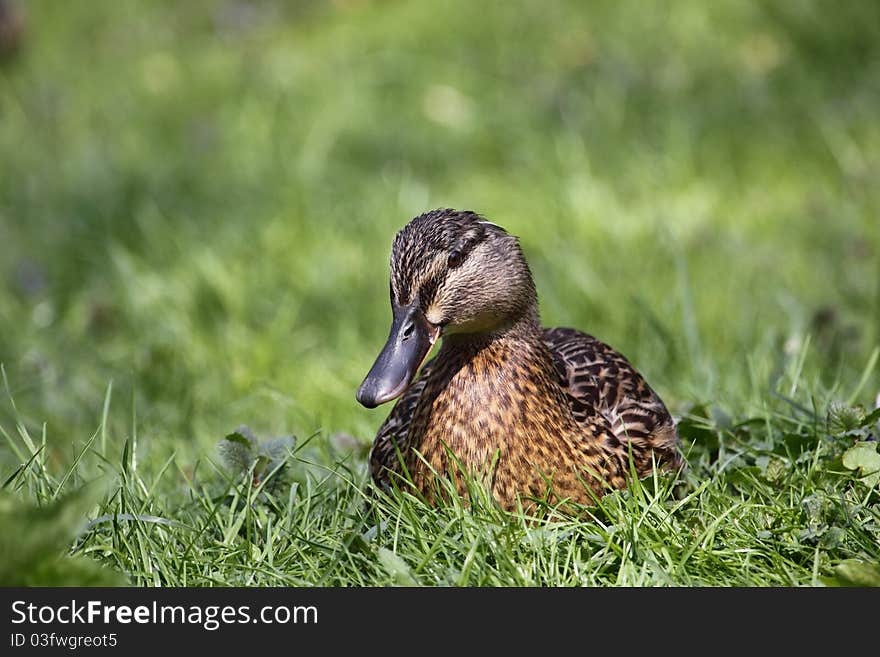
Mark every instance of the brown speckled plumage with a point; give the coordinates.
(535, 413)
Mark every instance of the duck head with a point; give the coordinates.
(452, 273)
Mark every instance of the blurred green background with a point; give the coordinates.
(197, 199)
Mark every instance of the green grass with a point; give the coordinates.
(197, 202)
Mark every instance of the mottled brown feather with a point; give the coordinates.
(598, 379)
(536, 414)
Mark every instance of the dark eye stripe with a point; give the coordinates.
(464, 245)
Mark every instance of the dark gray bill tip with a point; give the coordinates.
(373, 393)
(366, 396)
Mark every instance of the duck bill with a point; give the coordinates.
(411, 338)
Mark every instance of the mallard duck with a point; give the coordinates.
(537, 414)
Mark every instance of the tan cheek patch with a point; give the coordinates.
(458, 281)
(482, 323)
(434, 314)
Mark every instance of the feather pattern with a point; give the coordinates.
(598, 379)
(536, 414)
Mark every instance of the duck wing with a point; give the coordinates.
(598, 379)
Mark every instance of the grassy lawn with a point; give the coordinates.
(197, 202)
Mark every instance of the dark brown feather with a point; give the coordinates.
(598, 379)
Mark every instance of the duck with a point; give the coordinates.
(538, 416)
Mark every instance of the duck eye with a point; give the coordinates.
(455, 258)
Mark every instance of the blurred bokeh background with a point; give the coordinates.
(197, 199)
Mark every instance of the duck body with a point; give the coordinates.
(533, 413)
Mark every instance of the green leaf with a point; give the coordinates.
(745, 476)
(396, 567)
(236, 437)
(776, 469)
(697, 431)
(35, 543)
(863, 457)
(794, 444)
(853, 572)
(871, 418)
